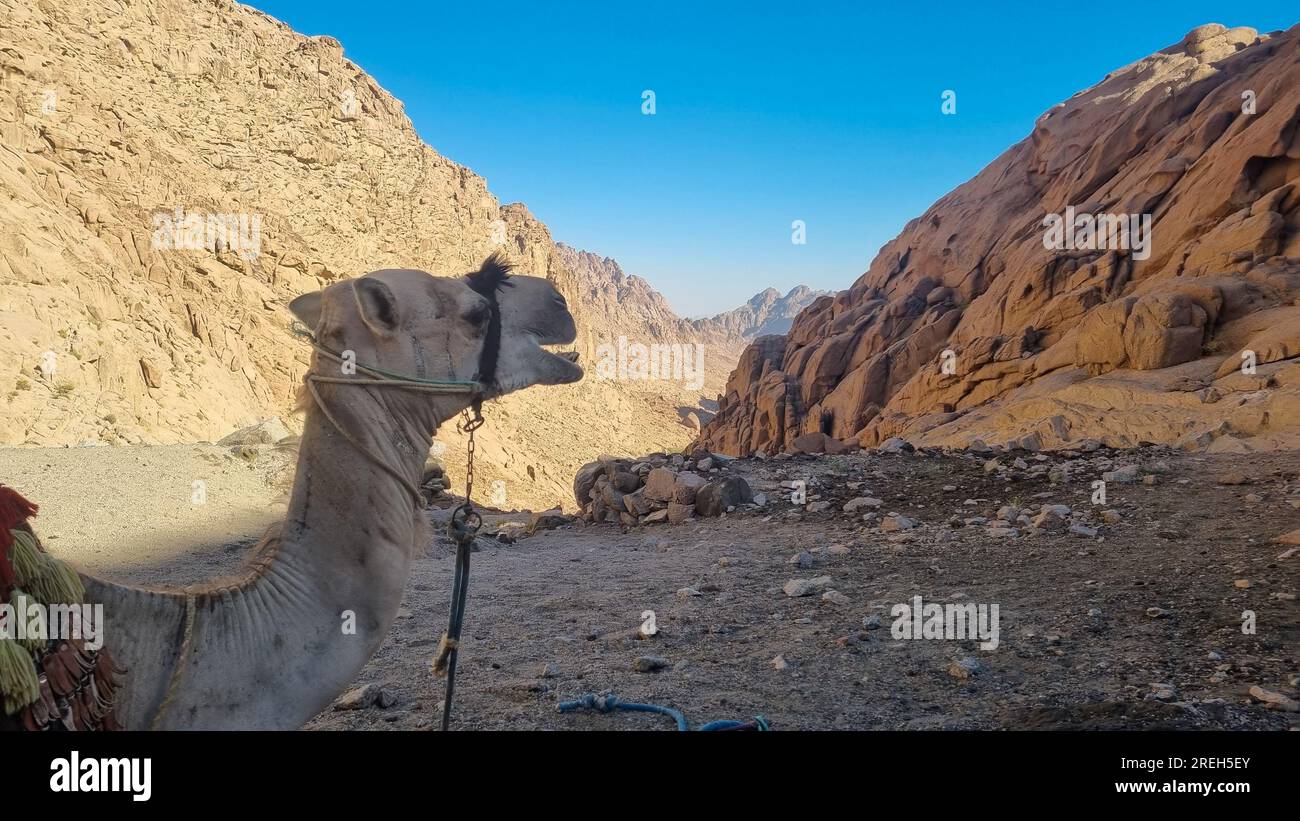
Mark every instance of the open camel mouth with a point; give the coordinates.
(566, 363)
(550, 367)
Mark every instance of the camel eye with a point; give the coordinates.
(478, 316)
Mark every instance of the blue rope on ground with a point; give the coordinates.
(610, 703)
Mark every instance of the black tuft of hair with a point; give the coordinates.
(494, 274)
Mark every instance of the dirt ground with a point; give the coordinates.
(554, 616)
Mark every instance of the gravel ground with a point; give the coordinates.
(555, 616)
(135, 515)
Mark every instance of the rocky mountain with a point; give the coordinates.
(625, 303)
(1128, 272)
(766, 312)
(620, 303)
(175, 171)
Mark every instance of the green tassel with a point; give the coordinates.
(60, 584)
(50, 580)
(27, 559)
(20, 600)
(71, 590)
(18, 683)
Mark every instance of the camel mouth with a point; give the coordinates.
(564, 366)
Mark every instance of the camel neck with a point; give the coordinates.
(339, 479)
(327, 589)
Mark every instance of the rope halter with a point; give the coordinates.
(381, 378)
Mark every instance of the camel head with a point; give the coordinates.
(487, 326)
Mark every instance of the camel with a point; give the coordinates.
(272, 649)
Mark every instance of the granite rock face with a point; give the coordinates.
(968, 325)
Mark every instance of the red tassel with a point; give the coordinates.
(14, 510)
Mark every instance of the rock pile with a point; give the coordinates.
(658, 488)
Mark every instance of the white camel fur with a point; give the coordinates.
(269, 651)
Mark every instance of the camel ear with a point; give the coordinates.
(377, 304)
(307, 309)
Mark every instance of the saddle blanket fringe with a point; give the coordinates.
(49, 679)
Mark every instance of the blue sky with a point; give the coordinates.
(766, 113)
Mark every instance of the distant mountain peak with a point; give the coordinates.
(630, 304)
(766, 312)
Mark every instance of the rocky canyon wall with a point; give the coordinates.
(174, 172)
(968, 325)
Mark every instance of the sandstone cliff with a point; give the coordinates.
(175, 171)
(967, 326)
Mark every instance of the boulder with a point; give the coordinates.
(809, 443)
(584, 480)
(798, 588)
(678, 513)
(660, 483)
(714, 498)
(868, 502)
(611, 497)
(1050, 521)
(686, 486)
(625, 482)
(835, 447)
(895, 444)
(548, 520)
(636, 503)
(894, 523)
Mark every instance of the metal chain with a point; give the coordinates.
(468, 425)
(461, 530)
